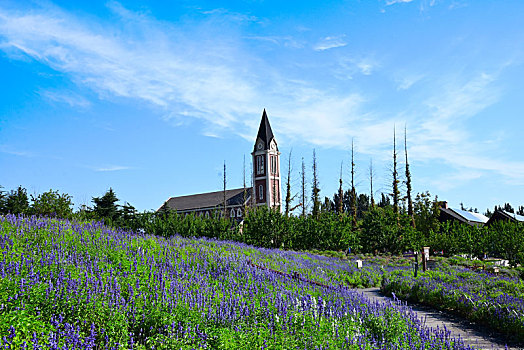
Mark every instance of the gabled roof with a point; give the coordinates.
(208, 200)
(516, 217)
(465, 216)
(505, 216)
(264, 132)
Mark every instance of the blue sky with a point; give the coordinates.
(150, 98)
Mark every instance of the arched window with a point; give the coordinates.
(239, 213)
(261, 192)
(232, 213)
(207, 214)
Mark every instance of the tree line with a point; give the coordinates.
(347, 220)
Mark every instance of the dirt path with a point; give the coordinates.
(470, 333)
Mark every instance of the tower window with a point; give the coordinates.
(260, 164)
(273, 165)
(261, 192)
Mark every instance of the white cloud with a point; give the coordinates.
(193, 74)
(112, 168)
(330, 42)
(70, 98)
(15, 152)
(392, 2)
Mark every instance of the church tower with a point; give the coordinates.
(266, 167)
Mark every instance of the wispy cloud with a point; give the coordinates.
(392, 2)
(330, 42)
(15, 152)
(112, 168)
(192, 74)
(70, 98)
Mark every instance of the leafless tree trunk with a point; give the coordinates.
(304, 198)
(288, 186)
(225, 199)
(408, 181)
(371, 182)
(340, 203)
(353, 195)
(395, 190)
(244, 203)
(315, 189)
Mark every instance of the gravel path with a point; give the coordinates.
(471, 333)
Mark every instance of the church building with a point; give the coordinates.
(265, 190)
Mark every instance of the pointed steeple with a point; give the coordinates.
(265, 134)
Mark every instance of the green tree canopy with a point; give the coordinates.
(106, 207)
(52, 203)
(16, 201)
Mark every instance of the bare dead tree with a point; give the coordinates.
(353, 194)
(252, 202)
(371, 182)
(395, 191)
(245, 188)
(303, 183)
(408, 181)
(289, 198)
(225, 199)
(340, 203)
(315, 189)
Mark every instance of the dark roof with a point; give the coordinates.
(208, 200)
(462, 216)
(264, 131)
(505, 216)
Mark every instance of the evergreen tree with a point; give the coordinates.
(106, 207)
(384, 201)
(508, 208)
(17, 201)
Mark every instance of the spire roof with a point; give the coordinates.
(264, 131)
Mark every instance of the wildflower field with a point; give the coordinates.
(480, 296)
(68, 285)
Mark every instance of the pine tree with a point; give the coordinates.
(106, 207)
(17, 201)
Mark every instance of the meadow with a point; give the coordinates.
(81, 285)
